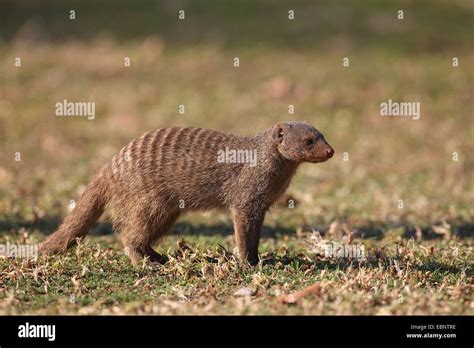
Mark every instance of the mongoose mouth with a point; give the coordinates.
(319, 160)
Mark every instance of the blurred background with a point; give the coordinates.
(283, 62)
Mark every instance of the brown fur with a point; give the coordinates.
(151, 178)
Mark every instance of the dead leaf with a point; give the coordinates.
(139, 281)
(293, 298)
(244, 292)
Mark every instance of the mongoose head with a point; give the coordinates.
(301, 142)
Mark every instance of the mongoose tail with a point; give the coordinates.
(77, 224)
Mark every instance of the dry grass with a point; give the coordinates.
(398, 277)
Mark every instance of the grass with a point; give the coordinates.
(202, 277)
(419, 256)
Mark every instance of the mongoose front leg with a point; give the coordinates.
(247, 229)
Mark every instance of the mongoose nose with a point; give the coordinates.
(330, 152)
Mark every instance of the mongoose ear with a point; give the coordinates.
(278, 133)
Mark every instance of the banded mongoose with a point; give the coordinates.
(169, 171)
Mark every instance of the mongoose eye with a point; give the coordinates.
(309, 142)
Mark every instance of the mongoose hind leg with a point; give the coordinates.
(155, 257)
(139, 253)
(247, 229)
(138, 237)
(162, 224)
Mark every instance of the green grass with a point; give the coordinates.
(202, 278)
(420, 259)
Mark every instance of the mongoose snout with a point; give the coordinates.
(330, 152)
(168, 172)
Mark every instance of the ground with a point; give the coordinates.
(402, 188)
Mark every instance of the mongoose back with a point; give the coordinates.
(170, 171)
